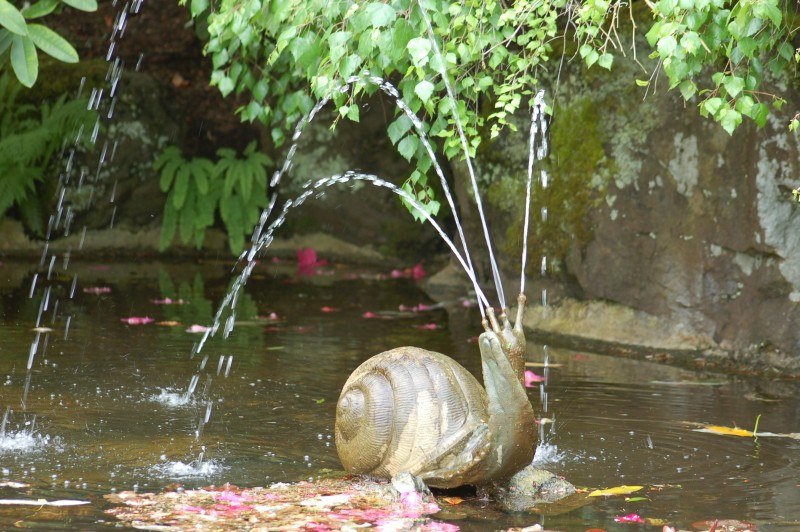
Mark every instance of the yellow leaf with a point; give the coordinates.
(726, 431)
(618, 490)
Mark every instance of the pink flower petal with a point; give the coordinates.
(198, 329)
(329, 309)
(418, 272)
(370, 315)
(427, 326)
(97, 290)
(396, 274)
(531, 378)
(167, 301)
(630, 518)
(137, 320)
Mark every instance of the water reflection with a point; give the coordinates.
(111, 409)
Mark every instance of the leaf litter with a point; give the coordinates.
(327, 504)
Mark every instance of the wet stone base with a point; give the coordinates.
(530, 489)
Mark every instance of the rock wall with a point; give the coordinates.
(686, 224)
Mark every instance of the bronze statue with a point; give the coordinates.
(417, 411)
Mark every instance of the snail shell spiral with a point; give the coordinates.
(397, 408)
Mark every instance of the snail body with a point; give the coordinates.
(418, 411)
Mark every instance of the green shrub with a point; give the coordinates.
(30, 137)
(198, 187)
(20, 38)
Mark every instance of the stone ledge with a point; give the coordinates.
(122, 242)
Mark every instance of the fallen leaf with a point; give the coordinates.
(636, 499)
(531, 378)
(178, 81)
(169, 323)
(137, 320)
(726, 431)
(618, 490)
(41, 502)
(630, 518)
(541, 365)
(453, 500)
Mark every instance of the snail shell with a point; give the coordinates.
(397, 408)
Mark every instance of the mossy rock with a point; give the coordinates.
(57, 78)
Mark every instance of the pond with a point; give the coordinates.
(106, 408)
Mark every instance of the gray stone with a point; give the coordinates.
(530, 487)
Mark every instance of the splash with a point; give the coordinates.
(548, 453)
(27, 441)
(173, 398)
(194, 469)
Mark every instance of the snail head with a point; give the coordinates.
(510, 336)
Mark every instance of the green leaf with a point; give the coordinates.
(198, 6)
(759, 114)
(730, 119)
(408, 147)
(398, 128)
(225, 85)
(338, 44)
(712, 105)
(666, 45)
(82, 5)
(733, 84)
(687, 88)
(181, 187)
(605, 61)
(379, 14)
(5, 42)
(12, 19)
(419, 48)
(642, 82)
(424, 89)
(52, 43)
(40, 9)
(402, 34)
(24, 60)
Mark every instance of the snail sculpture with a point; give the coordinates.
(417, 411)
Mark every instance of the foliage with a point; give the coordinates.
(30, 135)
(285, 54)
(694, 38)
(198, 187)
(20, 38)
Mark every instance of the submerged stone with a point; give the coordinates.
(531, 488)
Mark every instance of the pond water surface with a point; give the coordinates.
(105, 408)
